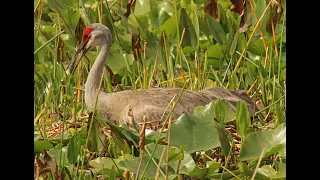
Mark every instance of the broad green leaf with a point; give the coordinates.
(60, 154)
(225, 175)
(234, 43)
(205, 113)
(267, 171)
(186, 164)
(142, 7)
(225, 23)
(58, 138)
(189, 38)
(157, 16)
(242, 43)
(96, 138)
(125, 41)
(283, 152)
(195, 132)
(41, 146)
(215, 55)
(247, 172)
(74, 149)
(194, 19)
(223, 111)
(116, 61)
(132, 164)
(260, 8)
(223, 138)
(188, 50)
(67, 11)
(216, 30)
(153, 135)
(170, 27)
(104, 165)
(203, 173)
(230, 37)
(281, 169)
(203, 26)
(243, 118)
(138, 24)
(272, 140)
(92, 15)
(257, 47)
(271, 173)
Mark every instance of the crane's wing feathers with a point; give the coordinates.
(152, 103)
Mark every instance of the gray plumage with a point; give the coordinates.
(150, 103)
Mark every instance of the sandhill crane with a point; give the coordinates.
(150, 103)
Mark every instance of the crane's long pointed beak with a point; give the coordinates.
(75, 60)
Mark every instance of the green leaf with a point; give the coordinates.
(116, 61)
(125, 41)
(74, 149)
(280, 116)
(271, 173)
(234, 43)
(202, 173)
(188, 50)
(138, 24)
(190, 38)
(242, 42)
(104, 165)
(142, 7)
(203, 26)
(260, 8)
(96, 138)
(243, 118)
(223, 111)
(225, 23)
(223, 138)
(267, 171)
(67, 11)
(205, 113)
(215, 55)
(272, 140)
(257, 47)
(281, 170)
(194, 19)
(170, 27)
(247, 172)
(41, 146)
(216, 30)
(186, 164)
(60, 154)
(225, 175)
(158, 16)
(132, 164)
(197, 131)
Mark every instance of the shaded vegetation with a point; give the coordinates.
(196, 44)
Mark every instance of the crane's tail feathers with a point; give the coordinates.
(232, 96)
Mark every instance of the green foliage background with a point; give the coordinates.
(179, 44)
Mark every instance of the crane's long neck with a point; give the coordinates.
(94, 77)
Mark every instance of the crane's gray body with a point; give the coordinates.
(150, 103)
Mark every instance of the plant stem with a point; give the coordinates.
(48, 42)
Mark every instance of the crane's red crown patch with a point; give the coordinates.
(86, 34)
